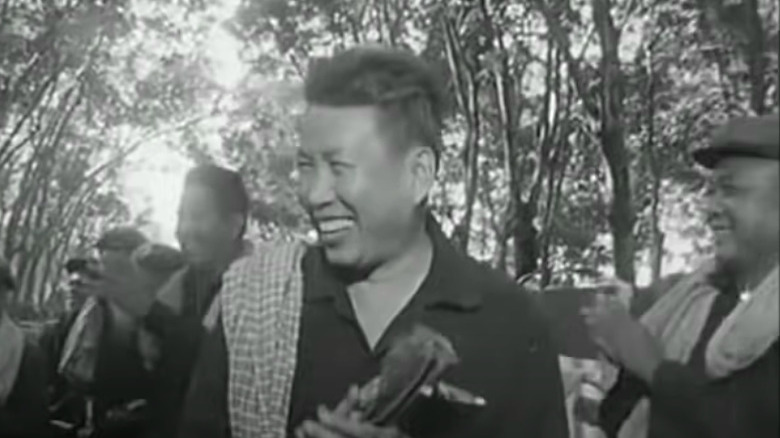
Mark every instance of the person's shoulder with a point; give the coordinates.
(269, 249)
(501, 297)
(645, 297)
(266, 270)
(269, 255)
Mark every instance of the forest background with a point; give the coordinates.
(567, 138)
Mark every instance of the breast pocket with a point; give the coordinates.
(435, 417)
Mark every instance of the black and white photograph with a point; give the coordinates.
(389, 218)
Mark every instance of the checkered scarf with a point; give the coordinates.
(260, 303)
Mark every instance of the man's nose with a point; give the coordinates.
(318, 189)
(713, 203)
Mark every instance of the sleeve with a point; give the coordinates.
(540, 393)
(619, 402)
(180, 335)
(710, 407)
(26, 412)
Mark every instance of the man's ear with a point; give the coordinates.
(422, 167)
(237, 226)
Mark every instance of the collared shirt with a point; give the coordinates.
(500, 337)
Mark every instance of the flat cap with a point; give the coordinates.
(746, 137)
(156, 257)
(77, 264)
(121, 239)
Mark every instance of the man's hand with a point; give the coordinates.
(621, 337)
(333, 425)
(126, 286)
(344, 422)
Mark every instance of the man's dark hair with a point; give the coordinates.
(401, 84)
(227, 185)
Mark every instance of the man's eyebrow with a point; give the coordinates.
(331, 154)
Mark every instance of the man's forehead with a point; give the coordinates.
(336, 116)
(335, 130)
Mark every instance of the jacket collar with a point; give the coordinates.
(450, 282)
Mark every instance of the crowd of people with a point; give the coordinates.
(223, 338)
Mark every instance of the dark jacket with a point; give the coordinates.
(25, 413)
(180, 335)
(506, 354)
(687, 404)
(119, 379)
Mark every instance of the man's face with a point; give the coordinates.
(76, 295)
(743, 209)
(359, 189)
(204, 232)
(113, 260)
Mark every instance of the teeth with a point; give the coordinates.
(333, 225)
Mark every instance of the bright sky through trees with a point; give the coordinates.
(152, 179)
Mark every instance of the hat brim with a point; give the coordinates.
(76, 264)
(710, 157)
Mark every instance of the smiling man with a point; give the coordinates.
(370, 145)
(210, 230)
(303, 324)
(303, 327)
(703, 362)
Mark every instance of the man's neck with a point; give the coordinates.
(752, 274)
(412, 261)
(381, 296)
(219, 265)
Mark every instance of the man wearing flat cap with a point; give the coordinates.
(702, 362)
(94, 365)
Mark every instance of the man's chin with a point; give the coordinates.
(341, 256)
(726, 257)
(199, 261)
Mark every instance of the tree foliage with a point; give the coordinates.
(83, 84)
(566, 143)
(572, 120)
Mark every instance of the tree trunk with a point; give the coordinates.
(621, 215)
(745, 29)
(466, 93)
(754, 51)
(608, 111)
(526, 241)
(656, 172)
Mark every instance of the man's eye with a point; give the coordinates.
(304, 164)
(340, 166)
